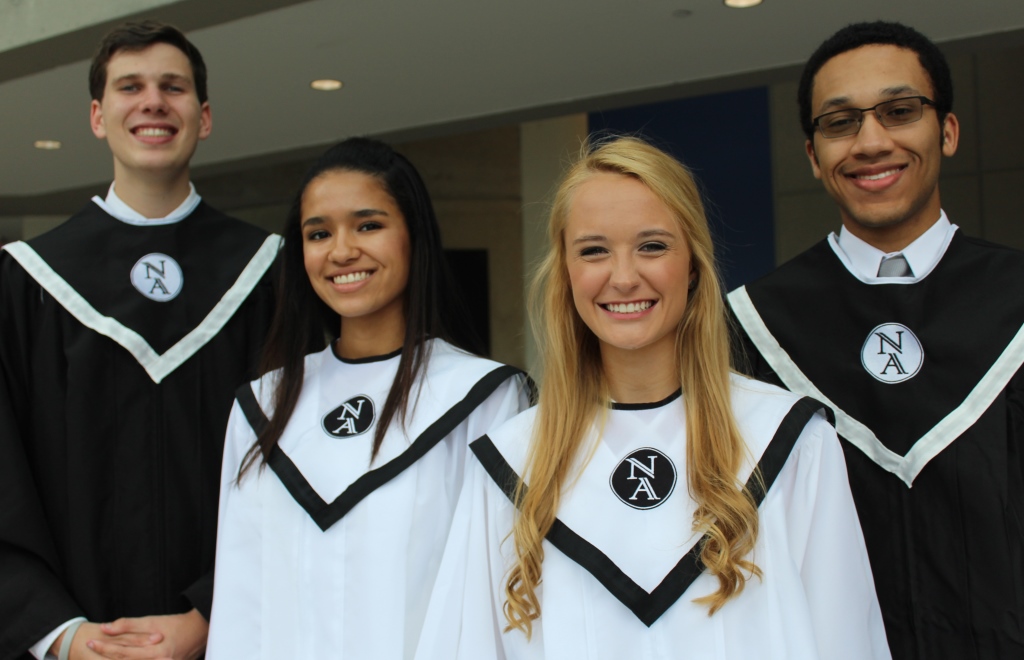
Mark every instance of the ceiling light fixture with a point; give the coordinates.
(47, 144)
(326, 84)
(742, 4)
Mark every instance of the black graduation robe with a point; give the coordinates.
(929, 398)
(113, 408)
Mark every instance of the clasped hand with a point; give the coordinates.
(170, 637)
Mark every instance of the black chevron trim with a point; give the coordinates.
(324, 514)
(648, 607)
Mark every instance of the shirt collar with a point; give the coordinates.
(116, 207)
(863, 259)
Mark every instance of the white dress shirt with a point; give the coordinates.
(863, 259)
(116, 207)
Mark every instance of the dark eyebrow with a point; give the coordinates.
(369, 213)
(890, 92)
(899, 90)
(361, 213)
(176, 77)
(166, 77)
(127, 76)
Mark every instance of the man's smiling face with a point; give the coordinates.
(885, 180)
(150, 114)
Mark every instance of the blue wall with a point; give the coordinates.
(725, 140)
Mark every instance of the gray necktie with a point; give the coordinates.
(895, 266)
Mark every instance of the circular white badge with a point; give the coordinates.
(158, 277)
(892, 353)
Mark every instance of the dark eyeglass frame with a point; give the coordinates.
(882, 117)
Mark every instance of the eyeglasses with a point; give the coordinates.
(896, 112)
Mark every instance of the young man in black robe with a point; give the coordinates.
(123, 334)
(912, 332)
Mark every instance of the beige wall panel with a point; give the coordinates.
(1001, 199)
(547, 147)
(35, 225)
(474, 182)
(270, 218)
(478, 165)
(965, 107)
(496, 227)
(791, 170)
(1000, 99)
(10, 228)
(801, 220)
(961, 200)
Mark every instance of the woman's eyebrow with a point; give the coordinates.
(366, 213)
(589, 238)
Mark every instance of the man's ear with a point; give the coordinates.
(950, 134)
(205, 121)
(809, 146)
(96, 120)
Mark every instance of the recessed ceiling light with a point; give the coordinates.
(326, 84)
(682, 13)
(742, 4)
(47, 144)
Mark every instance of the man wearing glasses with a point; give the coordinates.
(912, 332)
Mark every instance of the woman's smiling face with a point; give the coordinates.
(628, 263)
(355, 246)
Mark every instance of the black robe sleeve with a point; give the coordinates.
(34, 600)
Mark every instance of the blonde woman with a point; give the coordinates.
(665, 507)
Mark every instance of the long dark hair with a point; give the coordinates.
(302, 320)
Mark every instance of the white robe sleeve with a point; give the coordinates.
(463, 619)
(827, 544)
(507, 401)
(235, 619)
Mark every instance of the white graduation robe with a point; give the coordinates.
(285, 587)
(816, 599)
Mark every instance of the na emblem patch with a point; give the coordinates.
(158, 277)
(351, 418)
(644, 479)
(892, 353)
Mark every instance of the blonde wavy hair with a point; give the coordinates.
(573, 391)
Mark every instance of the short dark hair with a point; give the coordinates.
(884, 33)
(139, 36)
(301, 317)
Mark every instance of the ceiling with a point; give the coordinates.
(418, 68)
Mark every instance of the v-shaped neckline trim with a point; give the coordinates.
(326, 514)
(157, 365)
(925, 448)
(649, 606)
